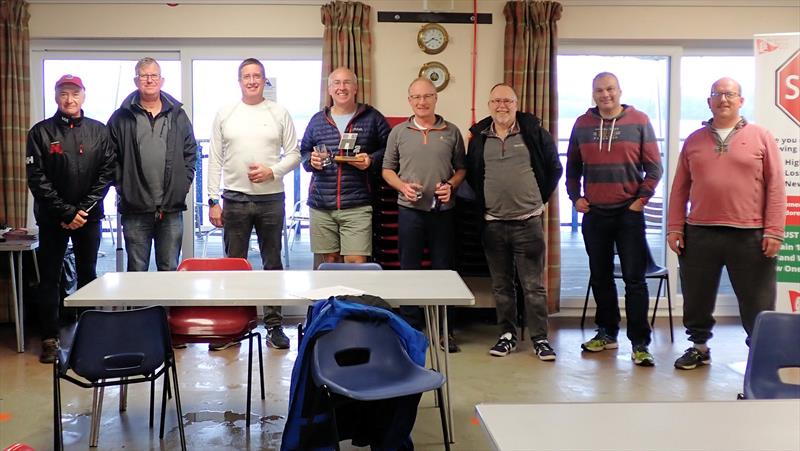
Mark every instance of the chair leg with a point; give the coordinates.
(165, 387)
(586, 303)
(178, 405)
(445, 435)
(58, 439)
(332, 410)
(669, 305)
(123, 396)
(152, 399)
(655, 307)
(97, 412)
(249, 378)
(260, 364)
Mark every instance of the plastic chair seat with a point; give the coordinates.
(220, 322)
(775, 345)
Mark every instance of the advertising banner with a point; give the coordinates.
(778, 109)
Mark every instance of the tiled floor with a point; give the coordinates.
(213, 385)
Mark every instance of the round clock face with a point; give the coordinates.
(437, 73)
(432, 38)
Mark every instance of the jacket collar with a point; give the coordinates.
(68, 121)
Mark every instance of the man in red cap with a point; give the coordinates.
(70, 165)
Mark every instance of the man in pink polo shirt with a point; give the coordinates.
(731, 173)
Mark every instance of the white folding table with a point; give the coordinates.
(18, 247)
(697, 425)
(433, 289)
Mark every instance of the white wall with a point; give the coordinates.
(396, 56)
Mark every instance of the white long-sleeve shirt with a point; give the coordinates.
(243, 134)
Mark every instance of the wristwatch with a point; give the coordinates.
(212, 202)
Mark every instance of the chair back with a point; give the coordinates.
(371, 266)
(364, 360)
(121, 343)
(775, 345)
(215, 264)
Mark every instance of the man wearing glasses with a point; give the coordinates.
(731, 173)
(340, 195)
(424, 162)
(513, 167)
(613, 153)
(156, 154)
(245, 154)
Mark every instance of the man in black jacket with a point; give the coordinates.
(70, 165)
(513, 167)
(156, 154)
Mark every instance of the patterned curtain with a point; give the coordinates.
(15, 115)
(530, 67)
(347, 42)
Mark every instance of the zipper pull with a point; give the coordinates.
(80, 149)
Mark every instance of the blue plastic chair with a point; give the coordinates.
(775, 345)
(365, 361)
(371, 266)
(116, 348)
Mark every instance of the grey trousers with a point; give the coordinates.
(752, 275)
(510, 246)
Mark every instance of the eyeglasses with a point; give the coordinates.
(417, 97)
(149, 76)
(497, 102)
(252, 77)
(729, 95)
(342, 82)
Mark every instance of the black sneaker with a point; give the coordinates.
(276, 338)
(49, 350)
(504, 345)
(543, 350)
(452, 346)
(693, 357)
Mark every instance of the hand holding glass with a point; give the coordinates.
(323, 154)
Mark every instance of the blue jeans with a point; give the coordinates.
(625, 229)
(517, 247)
(239, 219)
(53, 241)
(142, 231)
(416, 228)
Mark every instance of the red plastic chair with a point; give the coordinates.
(219, 325)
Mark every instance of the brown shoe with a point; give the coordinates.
(49, 350)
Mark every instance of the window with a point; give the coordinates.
(644, 81)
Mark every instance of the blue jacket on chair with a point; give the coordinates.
(324, 317)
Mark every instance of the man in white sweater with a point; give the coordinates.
(245, 152)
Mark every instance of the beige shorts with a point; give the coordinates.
(348, 232)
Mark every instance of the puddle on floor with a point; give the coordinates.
(226, 430)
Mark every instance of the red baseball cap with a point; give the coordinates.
(70, 79)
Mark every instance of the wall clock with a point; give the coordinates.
(432, 38)
(437, 73)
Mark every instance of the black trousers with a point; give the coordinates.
(53, 240)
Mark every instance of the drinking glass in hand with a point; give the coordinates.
(322, 152)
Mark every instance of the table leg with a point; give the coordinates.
(447, 373)
(16, 299)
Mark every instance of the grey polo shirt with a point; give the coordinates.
(428, 156)
(510, 188)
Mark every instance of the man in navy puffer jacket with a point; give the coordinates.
(339, 195)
